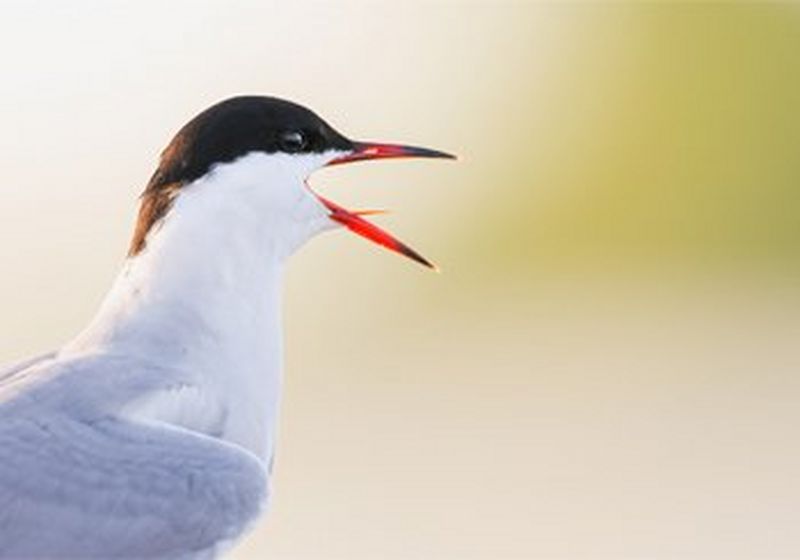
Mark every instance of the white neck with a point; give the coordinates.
(203, 298)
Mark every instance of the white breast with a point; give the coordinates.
(204, 297)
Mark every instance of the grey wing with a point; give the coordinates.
(116, 489)
(9, 371)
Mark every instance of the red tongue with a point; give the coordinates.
(362, 227)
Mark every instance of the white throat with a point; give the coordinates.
(203, 298)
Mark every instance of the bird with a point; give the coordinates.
(151, 433)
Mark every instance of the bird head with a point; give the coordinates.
(280, 140)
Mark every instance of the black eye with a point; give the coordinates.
(292, 141)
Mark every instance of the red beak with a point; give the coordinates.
(373, 150)
(353, 220)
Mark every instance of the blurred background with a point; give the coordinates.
(607, 366)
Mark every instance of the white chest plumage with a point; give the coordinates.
(204, 297)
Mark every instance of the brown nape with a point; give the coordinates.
(155, 205)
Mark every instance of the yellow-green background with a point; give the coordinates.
(608, 365)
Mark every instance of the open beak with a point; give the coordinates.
(353, 220)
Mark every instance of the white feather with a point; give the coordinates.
(151, 433)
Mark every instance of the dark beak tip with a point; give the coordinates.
(435, 154)
(429, 153)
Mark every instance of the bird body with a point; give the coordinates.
(193, 410)
(152, 433)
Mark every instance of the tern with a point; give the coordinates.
(151, 434)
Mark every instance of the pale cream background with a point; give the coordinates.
(608, 365)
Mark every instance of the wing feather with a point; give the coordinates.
(108, 487)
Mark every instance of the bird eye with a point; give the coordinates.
(292, 141)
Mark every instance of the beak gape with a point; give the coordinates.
(354, 221)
